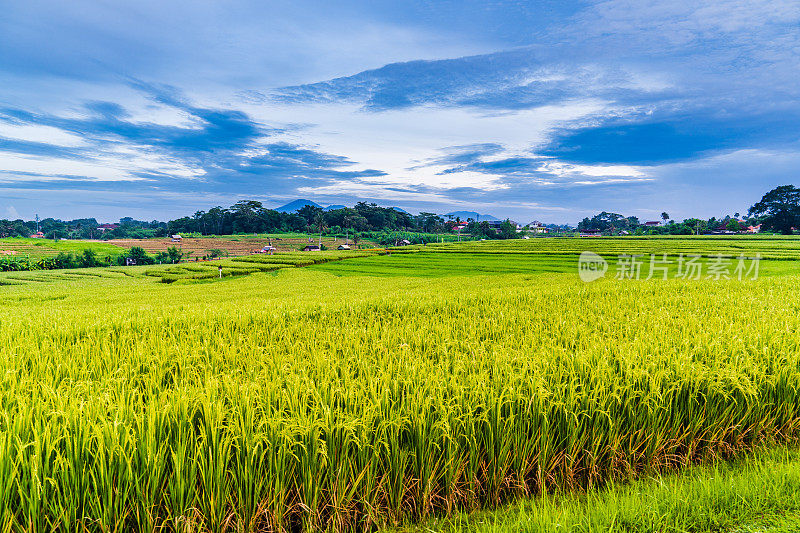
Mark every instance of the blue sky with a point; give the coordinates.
(550, 110)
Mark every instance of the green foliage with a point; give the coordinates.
(86, 259)
(612, 222)
(507, 230)
(734, 225)
(89, 259)
(299, 400)
(249, 216)
(779, 209)
(138, 255)
(759, 492)
(174, 254)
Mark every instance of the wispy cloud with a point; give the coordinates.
(225, 149)
(569, 107)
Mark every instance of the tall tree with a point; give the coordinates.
(246, 216)
(779, 209)
(507, 230)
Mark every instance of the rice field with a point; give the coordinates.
(18, 247)
(242, 266)
(235, 245)
(317, 399)
(767, 246)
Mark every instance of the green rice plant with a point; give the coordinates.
(309, 401)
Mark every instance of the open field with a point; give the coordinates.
(242, 266)
(555, 255)
(186, 272)
(380, 389)
(234, 245)
(18, 247)
(560, 255)
(768, 246)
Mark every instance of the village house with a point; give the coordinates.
(538, 227)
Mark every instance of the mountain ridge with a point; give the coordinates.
(294, 205)
(464, 215)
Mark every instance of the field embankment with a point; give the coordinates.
(757, 492)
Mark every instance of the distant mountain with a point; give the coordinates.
(334, 207)
(291, 207)
(474, 215)
(400, 210)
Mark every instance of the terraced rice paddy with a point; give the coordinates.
(363, 393)
(242, 266)
(229, 246)
(768, 246)
(235, 245)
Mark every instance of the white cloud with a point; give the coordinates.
(11, 213)
(120, 165)
(682, 22)
(395, 141)
(590, 174)
(40, 134)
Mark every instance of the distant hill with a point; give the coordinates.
(400, 210)
(464, 215)
(334, 207)
(291, 207)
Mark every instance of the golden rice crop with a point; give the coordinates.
(766, 246)
(242, 266)
(305, 401)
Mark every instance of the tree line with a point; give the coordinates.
(88, 258)
(83, 228)
(249, 216)
(778, 211)
(615, 223)
(246, 216)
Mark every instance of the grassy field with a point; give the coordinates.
(235, 245)
(780, 255)
(759, 492)
(186, 272)
(232, 245)
(18, 247)
(385, 389)
(241, 266)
